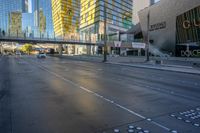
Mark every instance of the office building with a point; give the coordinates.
(15, 24)
(118, 14)
(42, 14)
(66, 14)
(6, 7)
(27, 6)
(34, 17)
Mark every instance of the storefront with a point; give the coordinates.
(188, 33)
(174, 28)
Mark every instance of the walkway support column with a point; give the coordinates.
(60, 49)
(1, 48)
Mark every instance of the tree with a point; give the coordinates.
(27, 48)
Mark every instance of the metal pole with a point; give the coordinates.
(9, 32)
(0, 32)
(105, 33)
(148, 22)
(17, 33)
(48, 35)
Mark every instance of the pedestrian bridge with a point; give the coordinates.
(39, 40)
(47, 41)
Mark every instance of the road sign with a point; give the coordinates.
(138, 45)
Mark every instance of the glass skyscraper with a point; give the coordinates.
(26, 9)
(66, 15)
(119, 17)
(6, 7)
(43, 24)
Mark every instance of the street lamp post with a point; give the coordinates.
(147, 47)
(105, 33)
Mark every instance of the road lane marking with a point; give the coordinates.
(104, 98)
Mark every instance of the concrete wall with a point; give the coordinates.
(165, 11)
(137, 6)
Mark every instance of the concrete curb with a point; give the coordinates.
(155, 68)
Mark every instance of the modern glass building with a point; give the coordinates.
(25, 10)
(15, 24)
(6, 7)
(66, 14)
(42, 24)
(119, 18)
(45, 18)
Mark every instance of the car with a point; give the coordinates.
(41, 55)
(18, 53)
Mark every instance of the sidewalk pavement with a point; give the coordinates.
(181, 65)
(173, 68)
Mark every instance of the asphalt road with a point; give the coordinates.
(56, 95)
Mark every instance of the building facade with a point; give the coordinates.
(45, 18)
(66, 14)
(6, 7)
(26, 6)
(34, 15)
(118, 14)
(15, 24)
(139, 5)
(174, 25)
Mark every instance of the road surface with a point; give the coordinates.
(56, 95)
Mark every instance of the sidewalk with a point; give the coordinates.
(182, 65)
(173, 68)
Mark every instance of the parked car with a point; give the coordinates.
(41, 55)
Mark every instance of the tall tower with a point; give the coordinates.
(15, 23)
(27, 6)
(119, 18)
(36, 13)
(6, 7)
(65, 15)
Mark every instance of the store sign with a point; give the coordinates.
(117, 44)
(190, 53)
(158, 26)
(188, 24)
(138, 45)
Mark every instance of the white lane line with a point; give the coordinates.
(158, 124)
(105, 99)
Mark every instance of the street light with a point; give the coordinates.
(147, 47)
(105, 33)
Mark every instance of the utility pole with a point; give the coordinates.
(105, 33)
(147, 47)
